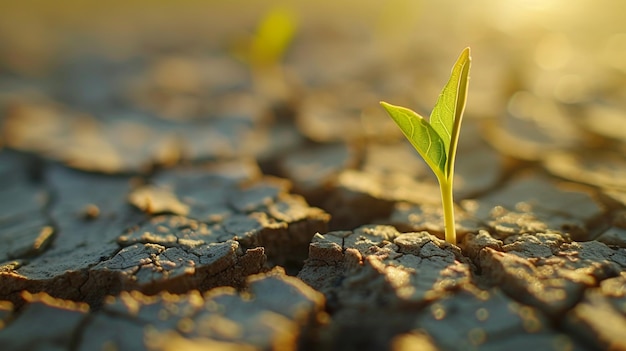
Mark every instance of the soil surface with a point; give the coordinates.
(167, 185)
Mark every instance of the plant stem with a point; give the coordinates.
(448, 210)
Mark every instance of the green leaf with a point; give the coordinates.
(421, 135)
(448, 111)
(273, 36)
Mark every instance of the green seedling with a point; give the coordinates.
(273, 36)
(436, 141)
(265, 49)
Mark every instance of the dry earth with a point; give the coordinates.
(158, 192)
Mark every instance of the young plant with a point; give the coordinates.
(436, 141)
(273, 36)
(265, 49)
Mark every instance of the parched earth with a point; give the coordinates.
(159, 191)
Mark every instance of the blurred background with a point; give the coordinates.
(124, 86)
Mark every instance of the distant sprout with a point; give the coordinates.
(264, 50)
(437, 141)
(273, 36)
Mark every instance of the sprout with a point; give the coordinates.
(264, 51)
(436, 141)
(273, 36)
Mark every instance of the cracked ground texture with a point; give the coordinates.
(161, 190)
